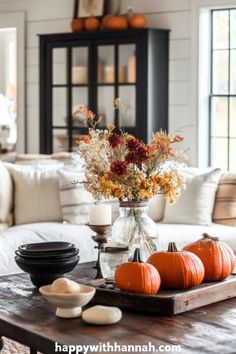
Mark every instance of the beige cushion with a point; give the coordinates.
(196, 203)
(75, 200)
(225, 204)
(36, 195)
(6, 196)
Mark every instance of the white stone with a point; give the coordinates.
(102, 315)
(65, 286)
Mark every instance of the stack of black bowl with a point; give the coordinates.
(47, 261)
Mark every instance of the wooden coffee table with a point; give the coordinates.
(27, 318)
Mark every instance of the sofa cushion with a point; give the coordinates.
(75, 200)
(196, 203)
(36, 195)
(6, 196)
(13, 237)
(225, 204)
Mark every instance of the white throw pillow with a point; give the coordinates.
(75, 200)
(196, 203)
(37, 196)
(6, 196)
(156, 208)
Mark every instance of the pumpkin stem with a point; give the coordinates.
(172, 247)
(137, 256)
(208, 237)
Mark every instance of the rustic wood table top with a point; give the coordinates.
(27, 318)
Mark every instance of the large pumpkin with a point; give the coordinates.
(138, 277)
(138, 21)
(177, 269)
(218, 258)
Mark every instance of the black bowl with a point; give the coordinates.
(44, 273)
(48, 256)
(46, 247)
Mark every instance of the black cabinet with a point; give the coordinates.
(93, 68)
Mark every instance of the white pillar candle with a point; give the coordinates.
(100, 214)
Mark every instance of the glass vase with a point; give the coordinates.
(135, 229)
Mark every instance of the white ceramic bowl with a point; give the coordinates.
(68, 305)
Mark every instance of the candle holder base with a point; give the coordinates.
(101, 239)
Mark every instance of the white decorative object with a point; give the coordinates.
(102, 315)
(65, 286)
(100, 214)
(69, 305)
(196, 203)
(79, 75)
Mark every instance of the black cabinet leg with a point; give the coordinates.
(32, 351)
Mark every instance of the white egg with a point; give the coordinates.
(102, 315)
(64, 286)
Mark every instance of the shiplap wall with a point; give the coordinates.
(51, 16)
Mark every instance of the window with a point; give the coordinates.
(222, 100)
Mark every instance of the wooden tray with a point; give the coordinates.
(167, 302)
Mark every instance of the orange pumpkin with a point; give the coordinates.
(138, 21)
(138, 277)
(92, 24)
(77, 24)
(178, 269)
(218, 258)
(115, 22)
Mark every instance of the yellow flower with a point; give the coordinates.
(109, 188)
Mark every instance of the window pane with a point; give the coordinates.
(59, 106)
(219, 152)
(106, 96)
(220, 72)
(233, 29)
(232, 156)
(79, 70)
(220, 29)
(233, 117)
(127, 63)
(127, 95)
(220, 116)
(233, 71)
(59, 66)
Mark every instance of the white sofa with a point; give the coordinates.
(12, 237)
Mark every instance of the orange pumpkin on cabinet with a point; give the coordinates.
(92, 24)
(115, 22)
(77, 24)
(138, 21)
(138, 277)
(218, 258)
(178, 269)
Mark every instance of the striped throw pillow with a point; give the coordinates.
(75, 200)
(225, 204)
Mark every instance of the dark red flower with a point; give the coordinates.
(137, 156)
(115, 140)
(133, 144)
(119, 168)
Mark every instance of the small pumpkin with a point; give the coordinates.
(138, 277)
(218, 258)
(92, 24)
(116, 22)
(138, 21)
(77, 24)
(177, 269)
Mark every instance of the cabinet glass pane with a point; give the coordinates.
(106, 64)
(106, 96)
(219, 148)
(220, 72)
(59, 106)
(127, 63)
(60, 140)
(79, 70)
(59, 64)
(220, 116)
(79, 97)
(128, 97)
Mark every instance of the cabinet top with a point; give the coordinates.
(102, 34)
